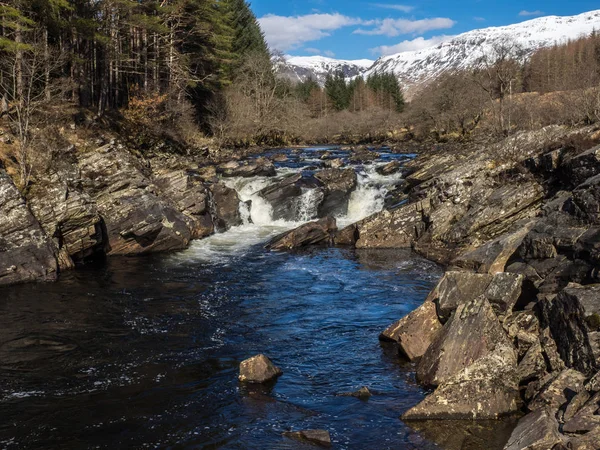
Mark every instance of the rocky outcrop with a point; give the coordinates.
(321, 231)
(69, 216)
(26, 252)
(258, 369)
(190, 195)
(516, 323)
(137, 220)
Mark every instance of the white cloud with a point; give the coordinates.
(479, 19)
(289, 32)
(408, 46)
(396, 27)
(403, 8)
(329, 53)
(526, 13)
(314, 51)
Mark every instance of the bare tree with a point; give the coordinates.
(27, 90)
(499, 76)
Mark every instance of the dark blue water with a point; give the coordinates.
(144, 353)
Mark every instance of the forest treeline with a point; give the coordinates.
(186, 69)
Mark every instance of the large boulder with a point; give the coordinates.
(289, 195)
(191, 197)
(472, 332)
(26, 252)
(456, 288)
(493, 256)
(258, 369)
(574, 321)
(339, 184)
(321, 231)
(414, 332)
(536, 431)
(226, 207)
(137, 220)
(486, 389)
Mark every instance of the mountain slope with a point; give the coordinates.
(416, 68)
(301, 68)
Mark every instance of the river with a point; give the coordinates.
(144, 352)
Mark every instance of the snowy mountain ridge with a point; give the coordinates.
(416, 68)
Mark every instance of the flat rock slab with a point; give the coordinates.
(258, 369)
(415, 332)
(321, 438)
(586, 419)
(536, 431)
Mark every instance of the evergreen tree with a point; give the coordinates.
(337, 91)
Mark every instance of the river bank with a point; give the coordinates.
(509, 330)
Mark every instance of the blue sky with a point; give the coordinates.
(347, 29)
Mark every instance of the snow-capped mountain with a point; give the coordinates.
(416, 68)
(301, 68)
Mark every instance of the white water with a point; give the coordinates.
(258, 224)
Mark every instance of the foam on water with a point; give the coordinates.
(257, 214)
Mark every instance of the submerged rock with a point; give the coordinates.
(258, 369)
(363, 393)
(312, 233)
(26, 252)
(318, 437)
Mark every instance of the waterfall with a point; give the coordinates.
(257, 214)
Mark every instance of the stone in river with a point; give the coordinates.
(258, 369)
(318, 437)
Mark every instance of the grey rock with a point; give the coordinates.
(26, 252)
(415, 332)
(258, 369)
(338, 184)
(226, 205)
(536, 431)
(472, 332)
(312, 233)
